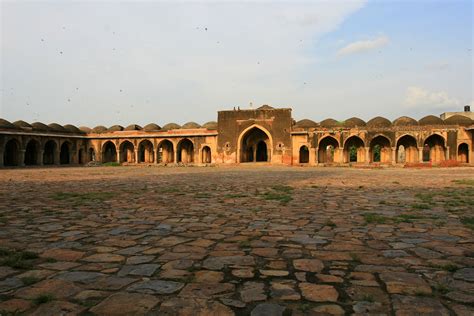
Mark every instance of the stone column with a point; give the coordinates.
(136, 155)
(40, 157)
(1, 159)
(420, 154)
(57, 157)
(394, 155)
(176, 156)
(119, 156)
(254, 153)
(367, 154)
(156, 155)
(447, 153)
(21, 157)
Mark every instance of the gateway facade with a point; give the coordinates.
(263, 135)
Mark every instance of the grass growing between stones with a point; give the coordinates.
(468, 222)
(43, 299)
(280, 193)
(373, 218)
(17, 259)
(111, 164)
(29, 280)
(82, 198)
(464, 182)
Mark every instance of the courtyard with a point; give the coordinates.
(256, 239)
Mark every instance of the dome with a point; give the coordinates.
(85, 129)
(329, 123)
(354, 122)
(99, 129)
(22, 124)
(210, 125)
(379, 122)
(133, 127)
(152, 127)
(115, 128)
(6, 124)
(405, 121)
(40, 127)
(305, 123)
(265, 107)
(56, 127)
(71, 128)
(458, 120)
(191, 125)
(431, 120)
(170, 126)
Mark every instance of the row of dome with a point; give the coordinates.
(383, 122)
(54, 127)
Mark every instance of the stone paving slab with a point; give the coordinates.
(242, 240)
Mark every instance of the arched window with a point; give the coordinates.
(304, 154)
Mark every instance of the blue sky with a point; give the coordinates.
(90, 63)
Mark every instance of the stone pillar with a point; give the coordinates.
(367, 154)
(57, 157)
(176, 156)
(73, 158)
(394, 155)
(447, 153)
(1, 159)
(119, 156)
(21, 157)
(313, 156)
(136, 155)
(420, 154)
(254, 153)
(40, 157)
(156, 155)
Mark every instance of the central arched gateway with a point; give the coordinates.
(255, 145)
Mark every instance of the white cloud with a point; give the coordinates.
(417, 97)
(363, 46)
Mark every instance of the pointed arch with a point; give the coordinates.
(407, 149)
(185, 151)
(380, 149)
(354, 149)
(127, 152)
(146, 153)
(326, 149)
(109, 152)
(255, 143)
(165, 152)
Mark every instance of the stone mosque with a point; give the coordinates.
(263, 135)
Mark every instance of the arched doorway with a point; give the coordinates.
(407, 150)
(11, 153)
(31, 153)
(127, 152)
(165, 152)
(380, 150)
(463, 153)
(434, 149)
(64, 154)
(206, 154)
(185, 151)
(304, 154)
(49, 152)
(354, 150)
(109, 152)
(145, 152)
(255, 145)
(326, 149)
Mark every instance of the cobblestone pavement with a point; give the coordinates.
(242, 240)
